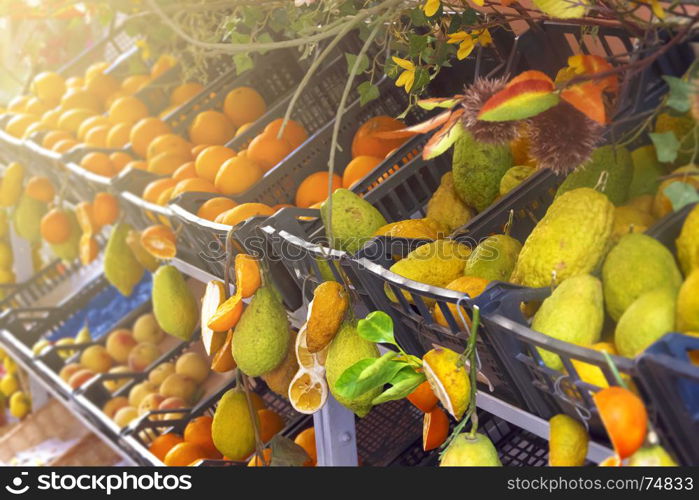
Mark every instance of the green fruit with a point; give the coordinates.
(646, 171)
(346, 348)
(681, 126)
(569, 240)
(687, 242)
(573, 313)
(637, 264)
(174, 307)
(69, 250)
(232, 429)
(568, 440)
(466, 452)
(477, 169)
(261, 337)
(121, 268)
(494, 258)
(514, 177)
(648, 318)
(651, 456)
(354, 220)
(27, 218)
(688, 304)
(446, 207)
(616, 162)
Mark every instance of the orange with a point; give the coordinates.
(80, 98)
(139, 165)
(243, 128)
(624, 417)
(55, 227)
(164, 63)
(89, 123)
(134, 83)
(171, 143)
(34, 127)
(155, 188)
(64, 145)
(223, 358)
(293, 132)
(88, 249)
(210, 209)
(306, 439)
(184, 454)
(183, 93)
(40, 188)
(50, 118)
(196, 150)
(99, 163)
(95, 68)
(116, 95)
(423, 398)
(166, 112)
(164, 443)
(364, 142)
(105, 209)
(165, 196)
(18, 104)
(270, 424)
(267, 150)
(35, 107)
(144, 132)
(102, 85)
(74, 82)
(435, 429)
(210, 160)
(84, 212)
(166, 163)
(127, 109)
(227, 314)
(159, 241)
(48, 86)
(243, 212)
(211, 127)
(266, 459)
(244, 105)
(120, 160)
(357, 169)
(198, 431)
(18, 125)
(314, 189)
(237, 175)
(97, 136)
(53, 137)
(71, 120)
(193, 185)
(247, 275)
(186, 171)
(118, 136)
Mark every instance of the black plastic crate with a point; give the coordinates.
(26, 294)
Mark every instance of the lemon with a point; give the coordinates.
(592, 374)
(568, 442)
(308, 390)
(9, 384)
(20, 405)
(448, 379)
(63, 353)
(39, 346)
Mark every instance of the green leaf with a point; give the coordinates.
(417, 43)
(367, 92)
(422, 79)
(367, 374)
(243, 62)
(286, 453)
(681, 194)
(417, 17)
(679, 97)
(264, 38)
(403, 383)
(469, 17)
(377, 327)
(352, 58)
(666, 146)
(438, 102)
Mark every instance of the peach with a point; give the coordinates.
(96, 358)
(114, 405)
(150, 402)
(143, 355)
(194, 366)
(80, 377)
(119, 345)
(161, 372)
(125, 415)
(116, 384)
(69, 370)
(177, 385)
(140, 391)
(146, 329)
(173, 403)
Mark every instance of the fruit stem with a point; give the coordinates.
(510, 221)
(242, 381)
(615, 370)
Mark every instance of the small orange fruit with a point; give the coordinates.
(75, 82)
(80, 98)
(18, 125)
(50, 118)
(186, 171)
(183, 93)
(48, 86)
(159, 241)
(193, 185)
(266, 459)
(105, 209)
(164, 63)
(423, 398)
(306, 439)
(184, 454)
(144, 132)
(165, 196)
(169, 143)
(211, 209)
(293, 132)
(35, 107)
(102, 85)
(435, 429)
(55, 227)
(365, 143)
(196, 150)
(116, 95)
(97, 136)
(127, 109)
(120, 160)
(624, 417)
(18, 104)
(270, 424)
(118, 135)
(237, 175)
(41, 189)
(357, 169)
(155, 188)
(209, 161)
(98, 163)
(138, 165)
(247, 275)
(244, 105)
(95, 68)
(166, 163)
(52, 137)
(86, 218)
(64, 145)
(89, 123)
(243, 212)
(198, 431)
(314, 189)
(211, 127)
(227, 314)
(134, 83)
(268, 150)
(243, 128)
(71, 120)
(163, 444)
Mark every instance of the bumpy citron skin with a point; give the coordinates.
(448, 379)
(687, 242)
(426, 228)
(568, 440)
(354, 220)
(466, 452)
(446, 207)
(494, 258)
(569, 240)
(325, 314)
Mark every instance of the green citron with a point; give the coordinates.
(514, 177)
(232, 429)
(464, 451)
(11, 185)
(477, 169)
(616, 165)
(261, 337)
(121, 268)
(354, 220)
(27, 218)
(688, 304)
(174, 307)
(69, 250)
(494, 258)
(346, 348)
(681, 126)
(133, 240)
(568, 441)
(573, 313)
(687, 242)
(647, 171)
(446, 207)
(651, 456)
(569, 240)
(648, 318)
(637, 264)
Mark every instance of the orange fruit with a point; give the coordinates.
(166, 163)
(435, 429)
(165, 196)
(270, 424)
(247, 275)
(19, 124)
(97, 136)
(155, 188)
(18, 104)
(244, 105)
(35, 107)
(210, 160)
(64, 145)
(169, 143)
(198, 431)
(164, 63)
(613, 461)
(211, 127)
(48, 86)
(624, 417)
(267, 150)
(118, 136)
(144, 132)
(184, 454)
(164, 443)
(34, 127)
(365, 144)
(166, 112)
(120, 160)
(105, 209)
(183, 93)
(74, 82)
(50, 118)
(266, 459)
(88, 249)
(227, 314)
(139, 165)
(81, 99)
(98, 163)
(55, 227)
(71, 120)
(423, 398)
(160, 242)
(293, 132)
(52, 137)
(40, 188)
(134, 83)
(186, 171)
(237, 175)
(279, 206)
(95, 68)
(86, 218)
(89, 123)
(102, 85)
(357, 169)
(127, 109)
(193, 185)
(116, 95)
(223, 361)
(211, 209)
(243, 212)
(314, 189)
(241, 130)
(196, 150)
(306, 439)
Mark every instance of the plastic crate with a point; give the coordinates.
(29, 292)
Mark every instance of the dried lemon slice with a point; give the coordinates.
(308, 392)
(448, 379)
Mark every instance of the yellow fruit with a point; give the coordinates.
(11, 186)
(9, 384)
(127, 109)
(134, 83)
(307, 392)
(118, 135)
(19, 124)
(166, 163)
(81, 99)
(18, 104)
(49, 87)
(236, 175)
(169, 143)
(185, 92)
(20, 405)
(71, 120)
(95, 69)
(448, 379)
(89, 123)
(102, 85)
(244, 105)
(568, 440)
(144, 132)
(593, 374)
(234, 441)
(209, 161)
(211, 127)
(325, 314)
(164, 63)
